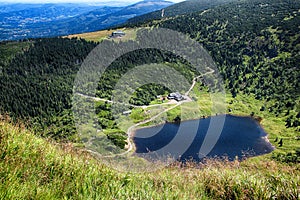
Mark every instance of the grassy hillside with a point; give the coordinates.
(34, 168)
(101, 35)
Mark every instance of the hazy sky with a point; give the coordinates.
(77, 1)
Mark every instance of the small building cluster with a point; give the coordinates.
(176, 96)
(127, 112)
(117, 34)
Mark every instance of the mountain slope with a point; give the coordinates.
(256, 45)
(184, 7)
(37, 81)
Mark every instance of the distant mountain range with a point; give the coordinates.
(20, 21)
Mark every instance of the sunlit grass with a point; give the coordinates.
(101, 35)
(34, 168)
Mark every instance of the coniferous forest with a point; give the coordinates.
(36, 84)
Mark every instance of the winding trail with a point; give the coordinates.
(130, 130)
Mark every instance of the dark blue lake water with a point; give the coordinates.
(219, 136)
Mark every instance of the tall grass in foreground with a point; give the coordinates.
(34, 168)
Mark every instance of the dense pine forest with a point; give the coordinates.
(36, 83)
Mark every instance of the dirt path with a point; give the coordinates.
(131, 129)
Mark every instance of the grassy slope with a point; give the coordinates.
(101, 35)
(33, 168)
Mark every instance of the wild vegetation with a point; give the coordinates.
(34, 168)
(149, 92)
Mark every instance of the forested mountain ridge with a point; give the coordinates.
(46, 68)
(256, 45)
(181, 8)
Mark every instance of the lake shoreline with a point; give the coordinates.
(258, 120)
(255, 120)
